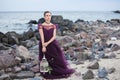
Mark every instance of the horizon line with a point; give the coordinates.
(61, 11)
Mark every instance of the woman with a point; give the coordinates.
(53, 53)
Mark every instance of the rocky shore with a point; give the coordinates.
(91, 47)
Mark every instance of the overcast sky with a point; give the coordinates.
(59, 5)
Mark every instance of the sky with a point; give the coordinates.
(59, 5)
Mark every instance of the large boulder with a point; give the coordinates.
(57, 19)
(32, 22)
(29, 43)
(27, 35)
(65, 40)
(3, 38)
(13, 37)
(41, 20)
(2, 47)
(8, 59)
(22, 52)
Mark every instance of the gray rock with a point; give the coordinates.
(57, 19)
(27, 35)
(35, 69)
(39, 78)
(1, 72)
(41, 20)
(111, 70)
(32, 22)
(13, 37)
(34, 50)
(102, 72)
(117, 11)
(17, 69)
(7, 59)
(65, 40)
(28, 43)
(88, 75)
(3, 38)
(112, 55)
(93, 65)
(2, 47)
(5, 77)
(22, 52)
(24, 74)
(78, 62)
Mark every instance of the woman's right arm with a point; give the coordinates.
(41, 34)
(42, 38)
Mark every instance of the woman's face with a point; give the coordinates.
(47, 17)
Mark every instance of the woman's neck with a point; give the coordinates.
(47, 22)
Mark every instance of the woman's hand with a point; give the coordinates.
(45, 44)
(44, 49)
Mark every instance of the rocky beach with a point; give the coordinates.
(92, 48)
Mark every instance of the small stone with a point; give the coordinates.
(93, 65)
(88, 75)
(111, 70)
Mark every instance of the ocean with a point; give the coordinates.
(17, 21)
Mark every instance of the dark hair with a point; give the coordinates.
(47, 12)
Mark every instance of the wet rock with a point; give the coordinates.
(41, 20)
(88, 75)
(32, 22)
(79, 20)
(117, 11)
(115, 20)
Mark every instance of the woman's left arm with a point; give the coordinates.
(53, 38)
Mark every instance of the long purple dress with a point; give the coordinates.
(54, 55)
